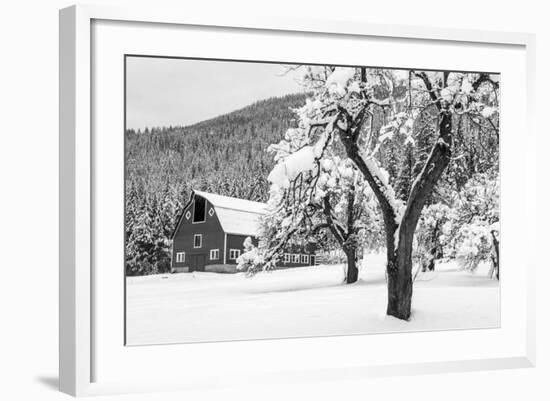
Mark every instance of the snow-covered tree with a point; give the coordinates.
(251, 258)
(317, 195)
(361, 109)
(465, 228)
(339, 209)
(433, 232)
(148, 233)
(476, 223)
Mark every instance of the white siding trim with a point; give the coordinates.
(225, 248)
(182, 216)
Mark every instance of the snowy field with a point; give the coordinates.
(300, 302)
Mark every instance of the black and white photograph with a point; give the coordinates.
(268, 200)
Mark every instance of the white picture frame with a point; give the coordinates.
(77, 368)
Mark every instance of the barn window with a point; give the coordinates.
(287, 258)
(305, 258)
(197, 241)
(234, 253)
(199, 213)
(180, 257)
(295, 258)
(214, 254)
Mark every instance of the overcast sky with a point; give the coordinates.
(164, 92)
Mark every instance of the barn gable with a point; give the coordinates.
(198, 237)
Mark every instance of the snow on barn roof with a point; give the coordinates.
(237, 216)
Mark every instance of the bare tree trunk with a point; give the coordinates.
(400, 265)
(351, 246)
(431, 263)
(400, 287)
(433, 253)
(496, 261)
(352, 273)
(344, 236)
(428, 264)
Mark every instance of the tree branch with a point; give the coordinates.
(431, 90)
(336, 230)
(425, 182)
(484, 77)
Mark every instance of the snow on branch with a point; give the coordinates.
(381, 177)
(303, 160)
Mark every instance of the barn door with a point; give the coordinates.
(197, 262)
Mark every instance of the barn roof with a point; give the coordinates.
(236, 216)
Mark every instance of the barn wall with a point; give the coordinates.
(212, 238)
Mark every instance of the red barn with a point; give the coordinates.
(211, 230)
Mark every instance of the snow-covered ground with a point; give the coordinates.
(309, 301)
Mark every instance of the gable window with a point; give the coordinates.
(305, 258)
(234, 253)
(286, 258)
(214, 254)
(199, 212)
(197, 241)
(180, 257)
(295, 258)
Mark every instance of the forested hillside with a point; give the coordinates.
(225, 155)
